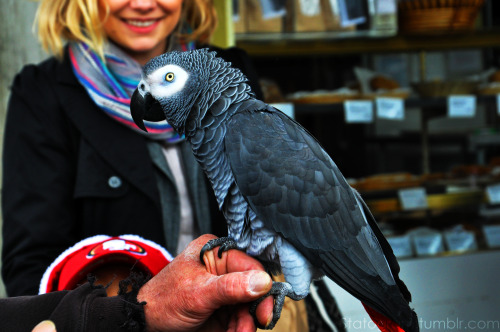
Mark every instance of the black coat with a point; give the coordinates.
(62, 157)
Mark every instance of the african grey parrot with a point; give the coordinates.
(284, 199)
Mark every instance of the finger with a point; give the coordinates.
(231, 261)
(210, 260)
(239, 287)
(45, 326)
(193, 250)
(232, 325)
(243, 321)
(219, 321)
(264, 312)
(238, 261)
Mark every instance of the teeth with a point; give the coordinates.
(141, 24)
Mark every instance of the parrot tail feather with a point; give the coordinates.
(384, 324)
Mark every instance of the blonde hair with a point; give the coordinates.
(59, 21)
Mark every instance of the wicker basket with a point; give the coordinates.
(438, 15)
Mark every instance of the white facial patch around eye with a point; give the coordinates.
(160, 87)
(143, 87)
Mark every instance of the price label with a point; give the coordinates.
(309, 7)
(493, 193)
(431, 244)
(413, 198)
(461, 106)
(386, 6)
(459, 241)
(492, 235)
(358, 111)
(401, 246)
(272, 9)
(390, 108)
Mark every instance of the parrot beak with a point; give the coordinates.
(145, 108)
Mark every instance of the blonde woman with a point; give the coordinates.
(74, 163)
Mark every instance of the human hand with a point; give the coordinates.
(45, 326)
(188, 296)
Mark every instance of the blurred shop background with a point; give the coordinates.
(405, 97)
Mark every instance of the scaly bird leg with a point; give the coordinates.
(279, 290)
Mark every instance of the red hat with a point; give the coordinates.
(75, 263)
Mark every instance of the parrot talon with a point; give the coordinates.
(279, 290)
(225, 244)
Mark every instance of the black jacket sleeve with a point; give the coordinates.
(38, 176)
(85, 309)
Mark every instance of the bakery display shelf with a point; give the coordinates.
(442, 201)
(361, 42)
(322, 98)
(425, 103)
(443, 191)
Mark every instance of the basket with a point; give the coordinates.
(438, 15)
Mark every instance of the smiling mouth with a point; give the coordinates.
(141, 23)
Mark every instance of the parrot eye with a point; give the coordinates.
(169, 77)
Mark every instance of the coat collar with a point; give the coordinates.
(121, 147)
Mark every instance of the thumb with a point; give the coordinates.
(240, 287)
(45, 326)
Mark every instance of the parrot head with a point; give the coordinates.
(173, 83)
(167, 89)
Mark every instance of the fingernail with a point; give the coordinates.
(260, 282)
(269, 320)
(45, 326)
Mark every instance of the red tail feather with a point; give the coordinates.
(383, 323)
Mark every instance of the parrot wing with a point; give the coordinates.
(295, 189)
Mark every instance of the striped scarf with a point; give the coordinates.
(110, 85)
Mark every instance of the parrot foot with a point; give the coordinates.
(225, 244)
(279, 290)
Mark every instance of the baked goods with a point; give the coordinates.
(495, 77)
(380, 82)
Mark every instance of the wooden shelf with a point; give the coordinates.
(412, 102)
(435, 202)
(341, 43)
